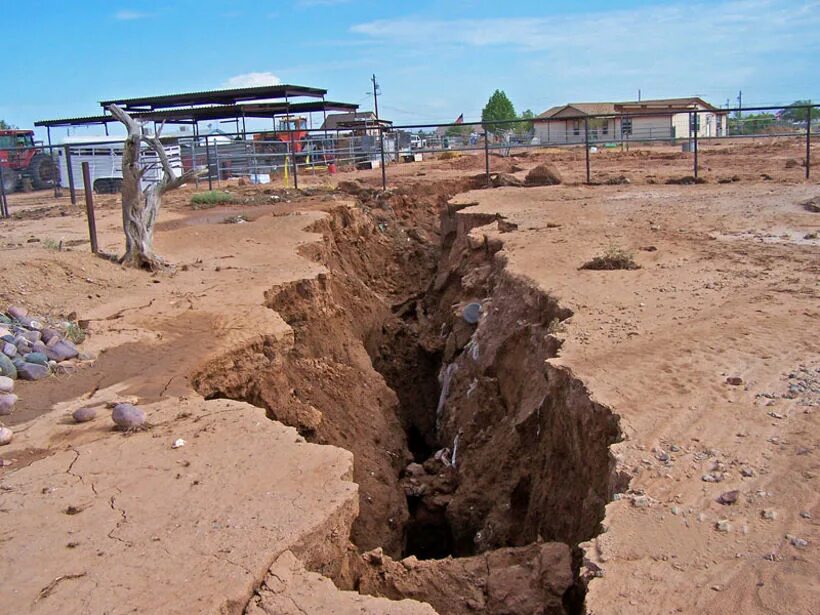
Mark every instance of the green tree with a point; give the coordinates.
(751, 123)
(457, 131)
(525, 127)
(5, 126)
(498, 109)
(794, 113)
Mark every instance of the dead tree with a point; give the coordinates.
(141, 206)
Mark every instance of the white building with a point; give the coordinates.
(644, 120)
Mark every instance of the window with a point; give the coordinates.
(626, 126)
(576, 127)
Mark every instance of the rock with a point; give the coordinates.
(61, 351)
(7, 367)
(723, 525)
(83, 415)
(33, 371)
(800, 543)
(712, 477)
(5, 319)
(505, 179)
(7, 401)
(128, 416)
(641, 501)
(47, 334)
(36, 357)
(471, 313)
(17, 313)
(747, 471)
(543, 175)
(805, 514)
(31, 336)
(6, 384)
(5, 436)
(734, 380)
(10, 350)
(768, 514)
(729, 497)
(415, 470)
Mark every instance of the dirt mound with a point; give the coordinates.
(514, 581)
(686, 180)
(505, 179)
(544, 174)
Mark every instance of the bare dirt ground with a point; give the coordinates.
(585, 407)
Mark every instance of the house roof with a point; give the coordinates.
(348, 120)
(231, 96)
(571, 110)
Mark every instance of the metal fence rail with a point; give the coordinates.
(260, 157)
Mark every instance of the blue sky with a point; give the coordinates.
(434, 59)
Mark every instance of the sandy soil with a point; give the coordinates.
(727, 288)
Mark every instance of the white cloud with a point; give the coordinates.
(251, 80)
(128, 15)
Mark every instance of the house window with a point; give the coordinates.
(605, 128)
(576, 127)
(626, 126)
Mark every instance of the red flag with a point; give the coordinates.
(460, 119)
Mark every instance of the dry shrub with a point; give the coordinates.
(613, 258)
(543, 175)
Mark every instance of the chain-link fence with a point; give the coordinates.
(34, 172)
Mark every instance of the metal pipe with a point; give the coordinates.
(4, 204)
(381, 147)
(89, 207)
(71, 191)
(694, 117)
(808, 142)
(208, 162)
(586, 145)
(487, 158)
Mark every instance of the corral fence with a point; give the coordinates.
(266, 156)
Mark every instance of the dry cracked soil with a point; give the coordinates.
(418, 401)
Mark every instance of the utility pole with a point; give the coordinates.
(381, 132)
(739, 103)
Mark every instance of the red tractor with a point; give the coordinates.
(19, 158)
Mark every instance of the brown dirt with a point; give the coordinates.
(580, 402)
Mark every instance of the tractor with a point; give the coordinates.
(19, 158)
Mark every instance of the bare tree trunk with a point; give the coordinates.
(140, 207)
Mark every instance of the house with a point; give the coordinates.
(642, 120)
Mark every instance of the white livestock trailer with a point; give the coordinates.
(104, 158)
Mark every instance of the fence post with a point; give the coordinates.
(208, 162)
(4, 204)
(586, 145)
(89, 207)
(381, 149)
(216, 163)
(71, 191)
(487, 156)
(808, 142)
(695, 141)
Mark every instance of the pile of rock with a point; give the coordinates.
(29, 350)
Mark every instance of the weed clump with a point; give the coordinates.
(613, 258)
(211, 198)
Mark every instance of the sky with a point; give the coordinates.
(433, 59)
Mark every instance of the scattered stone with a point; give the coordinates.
(712, 477)
(7, 401)
(128, 417)
(747, 471)
(9, 349)
(728, 498)
(723, 525)
(641, 501)
(769, 514)
(6, 384)
(178, 443)
(414, 470)
(676, 510)
(734, 380)
(83, 415)
(5, 436)
(471, 313)
(47, 334)
(17, 313)
(33, 371)
(7, 367)
(800, 543)
(805, 514)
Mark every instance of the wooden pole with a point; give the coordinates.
(586, 145)
(808, 142)
(71, 190)
(487, 157)
(89, 207)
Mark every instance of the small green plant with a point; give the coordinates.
(613, 258)
(74, 333)
(52, 244)
(211, 198)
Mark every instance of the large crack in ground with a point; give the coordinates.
(421, 354)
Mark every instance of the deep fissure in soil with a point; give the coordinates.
(467, 441)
